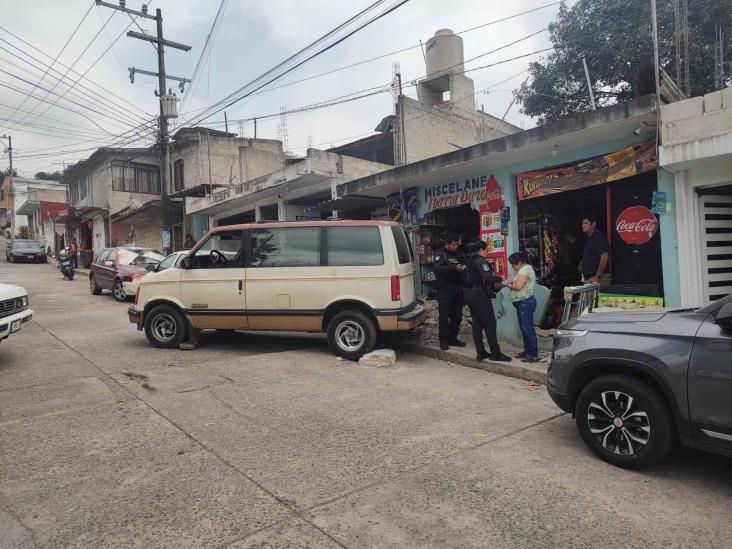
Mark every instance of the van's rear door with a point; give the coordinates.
(405, 265)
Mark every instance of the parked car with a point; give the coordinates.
(113, 269)
(25, 250)
(171, 260)
(350, 279)
(14, 311)
(637, 381)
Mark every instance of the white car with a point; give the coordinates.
(14, 311)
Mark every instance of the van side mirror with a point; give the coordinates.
(723, 319)
(185, 263)
(109, 263)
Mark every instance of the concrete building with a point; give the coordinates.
(41, 205)
(443, 118)
(20, 189)
(529, 191)
(286, 194)
(696, 145)
(114, 199)
(204, 161)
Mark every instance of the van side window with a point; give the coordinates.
(404, 250)
(285, 247)
(223, 249)
(354, 246)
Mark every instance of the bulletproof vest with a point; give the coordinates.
(471, 277)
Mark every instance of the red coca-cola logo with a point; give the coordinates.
(636, 225)
(494, 198)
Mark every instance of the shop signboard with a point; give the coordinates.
(624, 163)
(636, 225)
(490, 227)
(456, 193)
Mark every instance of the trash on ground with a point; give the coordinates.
(379, 359)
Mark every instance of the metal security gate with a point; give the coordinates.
(716, 235)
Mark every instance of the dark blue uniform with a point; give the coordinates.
(449, 293)
(479, 283)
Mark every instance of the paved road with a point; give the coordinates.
(255, 441)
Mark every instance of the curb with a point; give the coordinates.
(501, 368)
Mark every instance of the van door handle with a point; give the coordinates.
(240, 286)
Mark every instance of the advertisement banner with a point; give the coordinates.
(490, 227)
(624, 163)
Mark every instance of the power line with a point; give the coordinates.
(60, 52)
(389, 54)
(97, 85)
(228, 101)
(72, 65)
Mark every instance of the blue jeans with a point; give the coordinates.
(525, 310)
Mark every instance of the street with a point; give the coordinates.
(267, 440)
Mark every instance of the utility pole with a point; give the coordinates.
(11, 190)
(402, 128)
(589, 84)
(168, 107)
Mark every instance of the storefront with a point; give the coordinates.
(620, 191)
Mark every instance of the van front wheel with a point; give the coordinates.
(165, 327)
(351, 334)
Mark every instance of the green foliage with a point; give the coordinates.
(23, 232)
(50, 176)
(615, 37)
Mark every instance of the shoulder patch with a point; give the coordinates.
(438, 257)
(485, 267)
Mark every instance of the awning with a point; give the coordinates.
(28, 207)
(78, 212)
(352, 202)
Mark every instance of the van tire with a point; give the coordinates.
(164, 319)
(351, 334)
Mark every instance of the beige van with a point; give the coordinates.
(350, 279)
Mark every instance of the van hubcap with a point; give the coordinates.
(618, 423)
(350, 335)
(164, 327)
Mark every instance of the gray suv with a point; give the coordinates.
(636, 381)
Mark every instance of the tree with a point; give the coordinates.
(615, 37)
(50, 176)
(7, 172)
(23, 232)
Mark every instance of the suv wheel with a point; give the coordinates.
(165, 327)
(94, 287)
(351, 334)
(118, 291)
(624, 421)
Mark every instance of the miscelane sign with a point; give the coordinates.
(455, 193)
(636, 225)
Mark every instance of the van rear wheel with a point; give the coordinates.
(351, 334)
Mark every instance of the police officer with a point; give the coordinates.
(449, 265)
(479, 283)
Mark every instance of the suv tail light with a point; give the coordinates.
(396, 290)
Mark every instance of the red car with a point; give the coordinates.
(113, 269)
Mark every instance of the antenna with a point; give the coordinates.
(681, 45)
(282, 127)
(310, 141)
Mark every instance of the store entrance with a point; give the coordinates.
(550, 233)
(463, 221)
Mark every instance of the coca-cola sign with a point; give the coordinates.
(636, 225)
(493, 196)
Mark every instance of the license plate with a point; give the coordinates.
(15, 327)
(30, 256)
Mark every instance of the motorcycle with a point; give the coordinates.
(65, 265)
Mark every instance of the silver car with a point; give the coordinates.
(636, 381)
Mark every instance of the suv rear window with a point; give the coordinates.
(354, 246)
(404, 250)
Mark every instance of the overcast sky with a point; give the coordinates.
(254, 36)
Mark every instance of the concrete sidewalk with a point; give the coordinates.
(426, 343)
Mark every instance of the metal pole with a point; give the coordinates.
(654, 23)
(255, 127)
(226, 122)
(11, 190)
(164, 153)
(589, 84)
(401, 117)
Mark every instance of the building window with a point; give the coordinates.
(178, 181)
(131, 177)
(79, 190)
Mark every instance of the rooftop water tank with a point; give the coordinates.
(444, 54)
